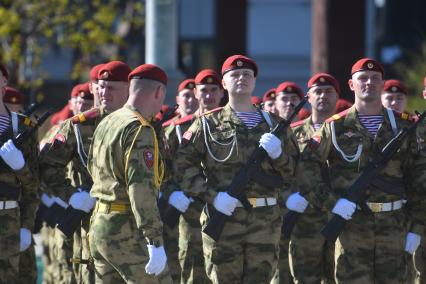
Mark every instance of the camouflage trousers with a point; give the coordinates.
(64, 252)
(247, 251)
(46, 236)
(371, 249)
(27, 266)
(191, 246)
(119, 250)
(417, 264)
(83, 273)
(311, 258)
(9, 245)
(170, 237)
(282, 274)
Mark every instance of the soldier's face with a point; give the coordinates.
(367, 85)
(208, 96)
(15, 107)
(113, 95)
(269, 106)
(285, 104)
(239, 82)
(323, 99)
(395, 101)
(424, 93)
(82, 104)
(94, 89)
(187, 102)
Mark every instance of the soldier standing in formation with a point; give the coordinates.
(373, 245)
(214, 148)
(394, 95)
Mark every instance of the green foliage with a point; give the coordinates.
(28, 28)
(412, 71)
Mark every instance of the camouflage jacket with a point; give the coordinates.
(122, 165)
(26, 180)
(173, 133)
(202, 176)
(408, 166)
(63, 159)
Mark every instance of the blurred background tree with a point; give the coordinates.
(94, 29)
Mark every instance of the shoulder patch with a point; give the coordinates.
(337, 116)
(314, 142)
(212, 111)
(58, 140)
(297, 123)
(85, 116)
(148, 158)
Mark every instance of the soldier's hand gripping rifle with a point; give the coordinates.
(356, 192)
(217, 220)
(7, 190)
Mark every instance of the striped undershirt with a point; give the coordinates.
(250, 119)
(4, 123)
(317, 126)
(371, 122)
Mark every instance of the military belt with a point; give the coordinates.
(377, 207)
(8, 205)
(110, 207)
(260, 202)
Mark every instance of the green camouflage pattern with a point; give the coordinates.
(118, 240)
(309, 254)
(248, 248)
(371, 247)
(27, 266)
(11, 220)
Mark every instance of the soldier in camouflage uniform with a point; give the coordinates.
(395, 95)
(287, 96)
(69, 146)
(310, 260)
(214, 148)
(187, 105)
(19, 176)
(209, 92)
(126, 230)
(371, 247)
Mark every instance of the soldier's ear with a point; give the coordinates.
(351, 84)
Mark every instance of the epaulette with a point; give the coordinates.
(182, 120)
(297, 123)
(405, 115)
(337, 116)
(85, 116)
(212, 110)
(25, 120)
(170, 121)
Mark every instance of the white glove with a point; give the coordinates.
(47, 200)
(157, 260)
(82, 201)
(179, 200)
(344, 208)
(296, 202)
(412, 242)
(25, 241)
(12, 156)
(271, 144)
(60, 202)
(225, 203)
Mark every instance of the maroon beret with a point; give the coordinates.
(149, 71)
(13, 96)
(289, 88)
(207, 76)
(394, 86)
(3, 70)
(367, 64)
(94, 72)
(239, 62)
(114, 71)
(187, 84)
(84, 91)
(256, 100)
(269, 95)
(324, 79)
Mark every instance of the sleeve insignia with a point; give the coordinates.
(148, 157)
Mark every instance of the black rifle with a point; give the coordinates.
(357, 191)
(217, 221)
